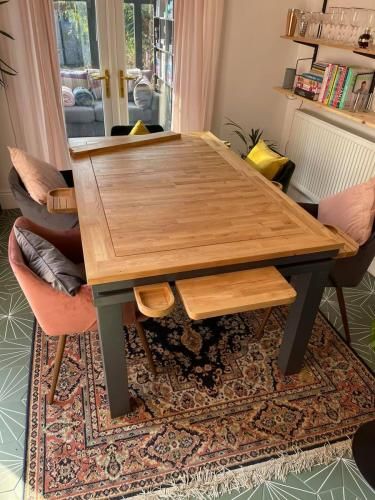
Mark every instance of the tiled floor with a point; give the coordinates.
(340, 480)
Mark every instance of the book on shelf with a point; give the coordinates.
(307, 94)
(340, 84)
(308, 85)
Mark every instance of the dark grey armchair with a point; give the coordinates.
(347, 273)
(35, 211)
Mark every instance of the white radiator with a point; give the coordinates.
(328, 159)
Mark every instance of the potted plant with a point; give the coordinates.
(250, 139)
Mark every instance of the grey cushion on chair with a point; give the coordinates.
(47, 262)
(36, 212)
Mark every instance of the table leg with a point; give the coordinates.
(309, 287)
(112, 340)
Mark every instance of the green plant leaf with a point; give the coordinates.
(7, 72)
(6, 34)
(3, 63)
(241, 136)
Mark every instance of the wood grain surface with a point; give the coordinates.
(184, 205)
(62, 201)
(230, 293)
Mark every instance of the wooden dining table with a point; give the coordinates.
(183, 208)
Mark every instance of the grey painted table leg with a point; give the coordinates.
(309, 287)
(113, 351)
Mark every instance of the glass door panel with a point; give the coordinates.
(163, 57)
(83, 93)
(139, 35)
(116, 63)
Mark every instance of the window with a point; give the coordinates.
(76, 33)
(139, 33)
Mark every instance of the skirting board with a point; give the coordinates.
(7, 200)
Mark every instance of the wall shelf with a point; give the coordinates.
(367, 119)
(317, 42)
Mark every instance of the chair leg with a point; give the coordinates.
(344, 316)
(56, 368)
(145, 345)
(260, 331)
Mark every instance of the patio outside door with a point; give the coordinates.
(104, 47)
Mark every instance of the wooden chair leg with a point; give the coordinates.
(260, 331)
(145, 345)
(344, 316)
(56, 368)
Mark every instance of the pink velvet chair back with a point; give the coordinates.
(56, 312)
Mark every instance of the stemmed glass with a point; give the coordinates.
(314, 25)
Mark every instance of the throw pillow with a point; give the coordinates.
(47, 262)
(83, 97)
(38, 176)
(68, 96)
(352, 211)
(139, 129)
(95, 86)
(266, 161)
(74, 78)
(143, 94)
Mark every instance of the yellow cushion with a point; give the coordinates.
(266, 161)
(139, 129)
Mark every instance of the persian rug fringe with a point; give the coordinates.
(216, 483)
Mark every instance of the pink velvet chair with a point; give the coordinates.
(59, 314)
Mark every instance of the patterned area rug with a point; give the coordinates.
(218, 405)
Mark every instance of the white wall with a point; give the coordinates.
(253, 60)
(6, 139)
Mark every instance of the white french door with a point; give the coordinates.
(112, 61)
(103, 45)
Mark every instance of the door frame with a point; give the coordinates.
(111, 45)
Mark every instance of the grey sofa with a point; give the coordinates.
(36, 212)
(88, 121)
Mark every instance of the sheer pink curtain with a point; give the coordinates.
(34, 95)
(197, 45)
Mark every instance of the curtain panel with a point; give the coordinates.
(197, 38)
(34, 94)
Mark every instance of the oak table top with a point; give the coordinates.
(182, 205)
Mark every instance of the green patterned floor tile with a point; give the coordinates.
(338, 494)
(13, 383)
(15, 353)
(16, 319)
(11, 465)
(12, 421)
(326, 478)
(353, 481)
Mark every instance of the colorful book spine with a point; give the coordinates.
(341, 90)
(348, 82)
(312, 76)
(331, 84)
(339, 85)
(306, 93)
(327, 74)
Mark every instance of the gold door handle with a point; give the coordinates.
(106, 77)
(122, 78)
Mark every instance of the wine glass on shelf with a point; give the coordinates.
(355, 25)
(335, 13)
(345, 24)
(314, 25)
(325, 21)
